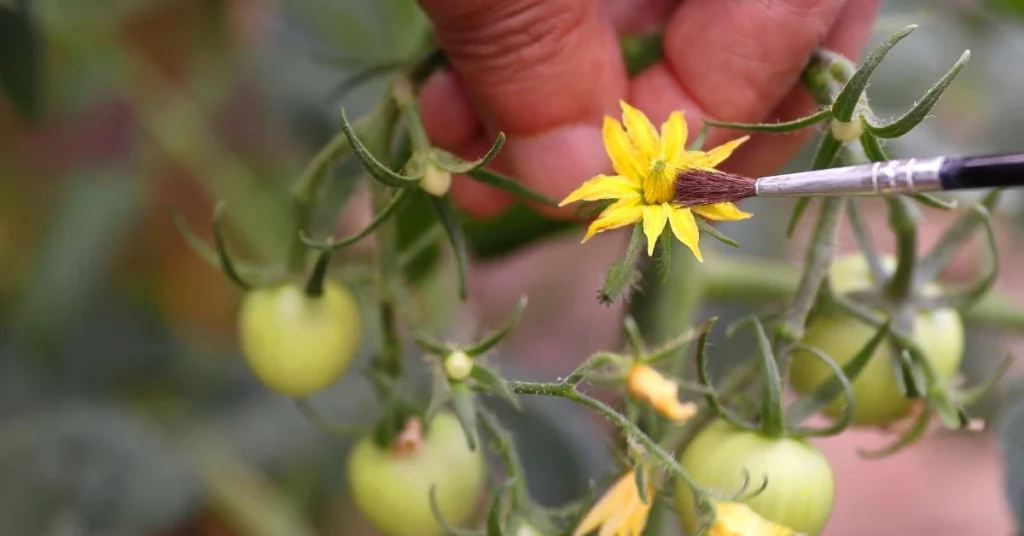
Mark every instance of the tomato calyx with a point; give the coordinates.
(776, 420)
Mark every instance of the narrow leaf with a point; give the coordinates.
(847, 99)
(772, 410)
(974, 394)
(431, 345)
(465, 411)
(970, 296)
(640, 478)
(496, 512)
(711, 397)
(873, 147)
(374, 167)
(825, 393)
(454, 164)
(934, 202)
(943, 252)
(622, 273)
(787, 126)
(665, 257)
(698, 142)
(497, 180)
(866, 244)
(495, 384)
(915, 115)
(446, 526)
(493, 339)
(223, 255)
(450, 221)
(798, 211)
(714, 233)
(914, 433)
(396, 201)
(439, 393)
(828, 148)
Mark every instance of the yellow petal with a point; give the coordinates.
(619, 214)
(655, 217)
(640, 515)
(603, 187)
(604, 508)
(721, 212)
(626, 160)
(673, 136)
(718, 155)
(685, 229)
(641, 132)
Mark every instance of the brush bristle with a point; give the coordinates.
(698, 187)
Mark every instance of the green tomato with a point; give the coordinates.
(393, 490)
(800, 489)
(878, 402)
(297, 344)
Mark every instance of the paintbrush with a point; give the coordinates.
(696, 187)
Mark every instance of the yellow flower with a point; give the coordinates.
(646, 165)
(648, 385)
(737, 519)
(620, 512)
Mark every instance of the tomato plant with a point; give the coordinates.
(800, 484)
(297, 344)
(938, 332)
(392, 486)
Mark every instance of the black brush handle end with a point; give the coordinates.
(992, 171)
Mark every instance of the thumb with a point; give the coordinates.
(545, 72)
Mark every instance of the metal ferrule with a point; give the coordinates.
(914, 175)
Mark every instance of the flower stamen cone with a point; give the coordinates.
(646, 165)
(738, 519)
(649, 386)
(620, 511)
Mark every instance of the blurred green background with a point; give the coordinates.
(125, 408)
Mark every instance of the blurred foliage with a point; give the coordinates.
(120, 385)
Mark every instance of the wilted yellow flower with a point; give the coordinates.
(737, 519)
(620, 512)
(646, 166)
(648, 385)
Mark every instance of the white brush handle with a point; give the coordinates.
(910, 176)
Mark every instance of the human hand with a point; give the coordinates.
(546, 72)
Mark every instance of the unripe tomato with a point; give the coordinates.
(297, 344)
(939, 333)
(393, 488)
(800, 488)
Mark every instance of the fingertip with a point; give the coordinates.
(446, 111)
(479, 200)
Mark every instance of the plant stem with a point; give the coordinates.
(903, 222)
(569, 392)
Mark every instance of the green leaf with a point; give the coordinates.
(374, 167)
(223, 255)
(798, 212)
(439, 392)
(827, 392)
(970, 296)
(772, 410)
(465, 411)
(703, 225)
(493, 339)
(431, 345)
(866, 244)
(497, 180)
(20, 56)
(623, 272)
(711, 396)
(495, 384)
(419, 236)
(974, 394)
(698, 142)
(934, 202)
(204, 251)
(952, 241)
(915, 115)
(454, 164)
(496, 511)
(453, 228)
(641, 51)
(396, 201)
(914, 433)
(787, 126)
(848, 98)
(640, 478)
(873, 147)
(446, 526)
(665, 257)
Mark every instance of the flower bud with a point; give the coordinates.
(458, 365)
(435, 181)
(847, 132)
